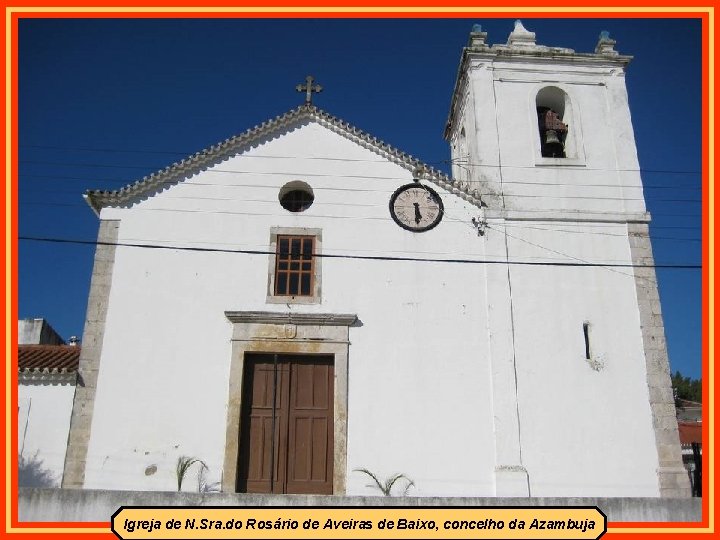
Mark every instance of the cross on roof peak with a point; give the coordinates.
(309, 88)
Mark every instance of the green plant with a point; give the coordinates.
(386, 487)
(32, 473)
(203, 485)
(183, 465)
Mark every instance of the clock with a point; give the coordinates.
(416, 208)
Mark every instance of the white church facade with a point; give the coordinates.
(304, 300)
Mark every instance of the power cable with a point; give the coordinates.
(126, 181)
(357, 257)
(565, 224)
(534, 196)
(79, 205)
(577, 168)
(445, 161)
(597, 233)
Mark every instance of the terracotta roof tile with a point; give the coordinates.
(690, 432)
(51, 358)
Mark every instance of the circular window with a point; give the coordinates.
(296, 196)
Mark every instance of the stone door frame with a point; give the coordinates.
(288, 333)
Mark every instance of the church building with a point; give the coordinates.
(303, 300)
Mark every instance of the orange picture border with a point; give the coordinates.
(703, 11)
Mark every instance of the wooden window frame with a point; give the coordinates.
(275, 296)
(294, 266)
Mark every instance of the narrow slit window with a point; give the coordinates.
(294, 267)
(586, 334)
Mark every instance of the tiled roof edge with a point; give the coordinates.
(47, 370)
(47, 376)
(97, 199)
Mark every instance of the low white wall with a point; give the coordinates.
(99, 505)
(44, 410)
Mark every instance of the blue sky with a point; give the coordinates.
(103, 102)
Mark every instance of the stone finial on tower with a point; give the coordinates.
(605, 45)
(521, 37)
(477, 37)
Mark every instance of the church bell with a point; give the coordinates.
(553, 146)
(552, 133)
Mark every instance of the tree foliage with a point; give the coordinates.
(687, 388)
(32, 473)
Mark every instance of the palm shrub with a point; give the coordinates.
(386, 486)
(183, 465)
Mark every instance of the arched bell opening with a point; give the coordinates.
(551, 104)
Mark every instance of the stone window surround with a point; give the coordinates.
(288, 333)
(316, 297)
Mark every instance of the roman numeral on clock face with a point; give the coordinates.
(416, 208)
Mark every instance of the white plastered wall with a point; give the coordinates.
(44, 409)
(418, 378)
(585, 428)
(585, 425)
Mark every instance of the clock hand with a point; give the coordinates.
(418, 217)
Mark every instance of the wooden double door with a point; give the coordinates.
(286, 424)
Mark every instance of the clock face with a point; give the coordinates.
(416, 207)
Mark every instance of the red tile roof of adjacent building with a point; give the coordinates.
(690, 432)
(51, 358)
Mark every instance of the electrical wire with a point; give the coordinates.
(80, 205)
(126, 181)
(457, 161)
(320, 188)
(103, 150)
(346, 160)
(507, 235)
(358, 257)
(565, 224)
(597, 233)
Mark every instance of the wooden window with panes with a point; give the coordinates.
(294, 265)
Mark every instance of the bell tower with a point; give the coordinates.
(536, 126)
(544, 136)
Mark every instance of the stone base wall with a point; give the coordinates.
(99, 505)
